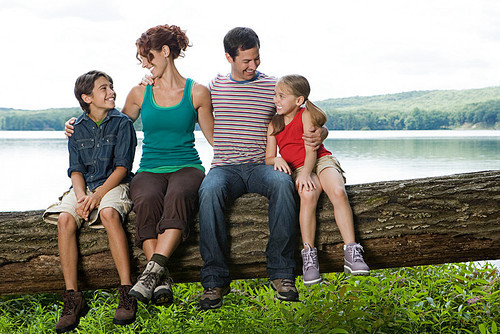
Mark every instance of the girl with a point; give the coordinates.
(313, 171)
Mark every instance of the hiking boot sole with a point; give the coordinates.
(123, 322)
(207, 306)
(71, 327)
(137, 295)
(290, 298)
(163, 297)
(348, 270)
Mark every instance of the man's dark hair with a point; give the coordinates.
(240, 38)
(85, 84)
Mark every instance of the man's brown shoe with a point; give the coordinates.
(127, 306)
(74, 308)
(285, 289)
(212, 297)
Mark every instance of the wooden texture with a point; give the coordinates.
(399, 223)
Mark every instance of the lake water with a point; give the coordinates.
(33, 164)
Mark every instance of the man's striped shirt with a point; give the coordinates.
(242, 112)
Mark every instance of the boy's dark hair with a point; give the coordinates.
(85, 84)
(240, 38)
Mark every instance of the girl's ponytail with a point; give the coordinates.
(317, 114)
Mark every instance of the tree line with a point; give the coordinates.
(486, 114)
(40, 120)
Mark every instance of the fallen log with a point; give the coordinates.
(433, 220)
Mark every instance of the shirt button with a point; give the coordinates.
(95, 161)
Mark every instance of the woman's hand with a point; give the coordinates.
(147, 80)
(69, 129)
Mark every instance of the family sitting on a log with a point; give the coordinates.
(170, 186)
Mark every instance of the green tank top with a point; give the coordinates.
(168, 143)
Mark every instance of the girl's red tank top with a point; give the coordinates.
(291, 145)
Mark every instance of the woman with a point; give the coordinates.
(165, 188)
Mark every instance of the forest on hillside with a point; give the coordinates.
(485, 115)
(417, 110)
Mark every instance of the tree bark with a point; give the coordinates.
(399, 223)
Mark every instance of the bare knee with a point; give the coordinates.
(66, 224)
(109, 216)
(338, 193)
(309, 198)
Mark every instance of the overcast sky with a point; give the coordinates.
(345, 48)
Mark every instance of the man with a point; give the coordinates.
(243, 106)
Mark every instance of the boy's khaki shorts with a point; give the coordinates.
(117, 198)
(326, 161)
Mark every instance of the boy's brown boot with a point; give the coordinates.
(74, 308)
(127, 307)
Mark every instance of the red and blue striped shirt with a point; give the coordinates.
(242, 112)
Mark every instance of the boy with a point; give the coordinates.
(101, 155)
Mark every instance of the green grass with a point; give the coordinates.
(451, 298)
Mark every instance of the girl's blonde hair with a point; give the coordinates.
(298, 86)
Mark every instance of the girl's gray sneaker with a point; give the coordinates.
(310, 265)
(354, 263)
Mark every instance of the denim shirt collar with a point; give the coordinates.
(111, 113)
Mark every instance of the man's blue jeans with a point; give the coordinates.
(220, 188)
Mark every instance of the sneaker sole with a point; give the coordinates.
(71, 327)
(348, 270)
(313, 281)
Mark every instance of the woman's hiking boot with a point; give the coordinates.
(147, 282)
(162, 294)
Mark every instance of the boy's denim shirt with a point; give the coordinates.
(96, 151)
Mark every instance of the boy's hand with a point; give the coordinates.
(87, 204)
(304, 182)
(69, 129)
(281, 165)
(147, 80)
(80, 209)
(312, 137)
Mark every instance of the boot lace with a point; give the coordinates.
(210, 291)
(286, 282)
(124, 300)
(69, 304)
(356, 251)
(149, 279)
(309, 259)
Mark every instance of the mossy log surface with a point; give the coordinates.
(433, 220)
